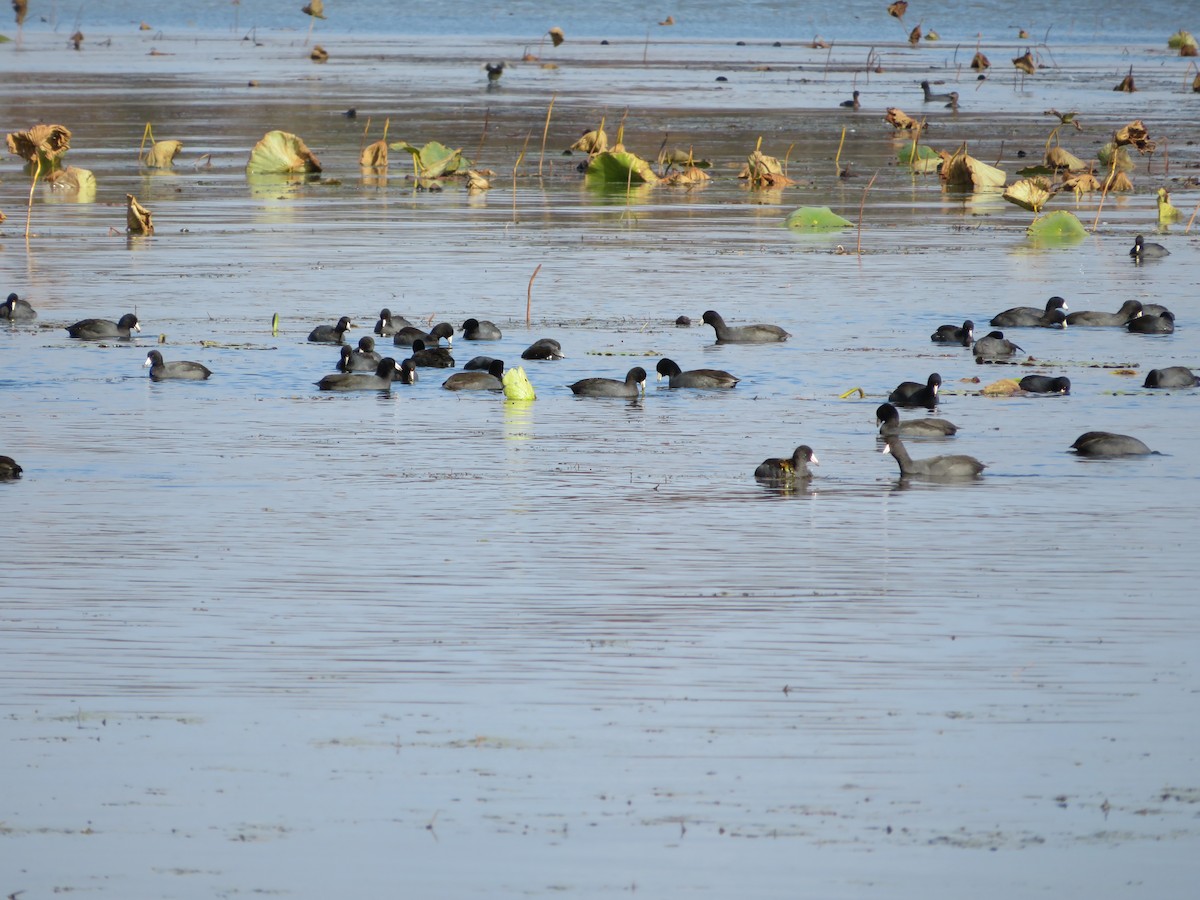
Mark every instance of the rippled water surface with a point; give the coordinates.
(259, 639)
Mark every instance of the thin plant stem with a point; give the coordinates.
(545, 133)
(529, 296)
(29, 209)
(861, 206)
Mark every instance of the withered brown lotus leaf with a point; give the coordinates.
(319, 54)
(899, 120)
(1061, 158)
(980, 62)
(1125, 85)
(76, 39)
(1135, 133)
(914, 36)
(374, 156)
(764, 171)
(1112, 156)
(592, 142)
(686, 177)
(162, 154)
(45, 142)
(281, 153)
(79, 184)
(1082, 183)
(20, 10)
(1028, 193)
(1025, 63)
(898, 9)
(1121, 182)
(1005, 387)
(1196, 84)
(476, 182)
(138, 219)
(556, 35)
(316, 9)
(961, 170)
(2, 217)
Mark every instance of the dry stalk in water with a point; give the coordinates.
(529, 296)
(861, 206)
(545, 132)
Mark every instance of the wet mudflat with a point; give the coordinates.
(257, 639)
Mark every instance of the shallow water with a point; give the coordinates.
(256, 638)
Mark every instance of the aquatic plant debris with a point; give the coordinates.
(619, 167)
(1057, 228)
(138, 219)
(162, 154)
(281, 153)
(816, 218)
(74, 182)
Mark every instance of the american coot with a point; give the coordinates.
(743, 334)
(947, 467)
(331, 334)
(17, 310)
(1105, 443)
(852, 103)
(406, 373)
(363, 358)
(1143, 249)
(788, 470)
(1164, 324)
(406, 337)
(931, 97)
(1171, 377)
(477, 381)
(912, 393)
(389, 324)
(1053, 316)
(887, 417)
(1091, 318)
(953, 334)
(347, 381)
(430, 357)
(1154, 309)
(704, 379)
(634, 383)
(9, 468)
(479, 362)
(180, 369)
(1044, 384)
(475, 330)
(545, 348)
(994, 346)
(102, 329)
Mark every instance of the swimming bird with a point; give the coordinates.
(409, 335)
(887, 417)
(180, 369)
(17, 310)
(704, 379)
(851, 103)
(102, 329)
(912, 393)
(1154, 309)
(431, 357)
(1105, 443)
(1092, 318)
(743, 334)
(494, 71)
(940, 467)
(479, 362)
(1164, 324)
(1053, 316)
(477, 381)
(544, 348)
(9, 468)
(787, 471)
(1171, 377)
(1044, 384)
(475, 330)
(331, 334)
(1142, 249)
(953, 104)
(406, 373)
(385, 372)
(389, 324)
(994, 346)
(632, 386)
(931, 97)
(953, 334)
(362, 358)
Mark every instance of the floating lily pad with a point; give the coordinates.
(1059, 228)
(619, 168)
(434, 159)
(281, 153)
(816, 218)
(1028, 193)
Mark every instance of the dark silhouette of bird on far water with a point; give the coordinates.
(494, 71)
(852, 103)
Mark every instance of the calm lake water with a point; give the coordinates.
(259, 639)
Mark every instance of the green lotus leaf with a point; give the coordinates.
(517, 385)
(281, 153)
(619, 167)
(1059, 228)
(1181, 39)
(434, 159)
(906, 153)
(816, 218)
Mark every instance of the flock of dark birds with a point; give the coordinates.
(363, 368)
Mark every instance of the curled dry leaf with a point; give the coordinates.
(1112, 156)
(1060, 159)
(162, 154)
(980, 62)
(1166, 212)
(2, 217)
(592, 142)
(1196, 84)
(1025, 63)
(1181, 39)
(281, 153)
(476, 183)
(689, 176)
(1121, 182)
(556, 35)
(316, 9)
(1125, 85)
(914, 36)
(45, 142)
(1005, 387)
(669, 20)
(764, 171)
(960, 170)
(319, 54)
(898, 9)
(899, 120)
(79, 184)
(76, 39)
(374, 156)
(1028, 193)
(1082, 183)
(138, 219)
(1135, 133)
